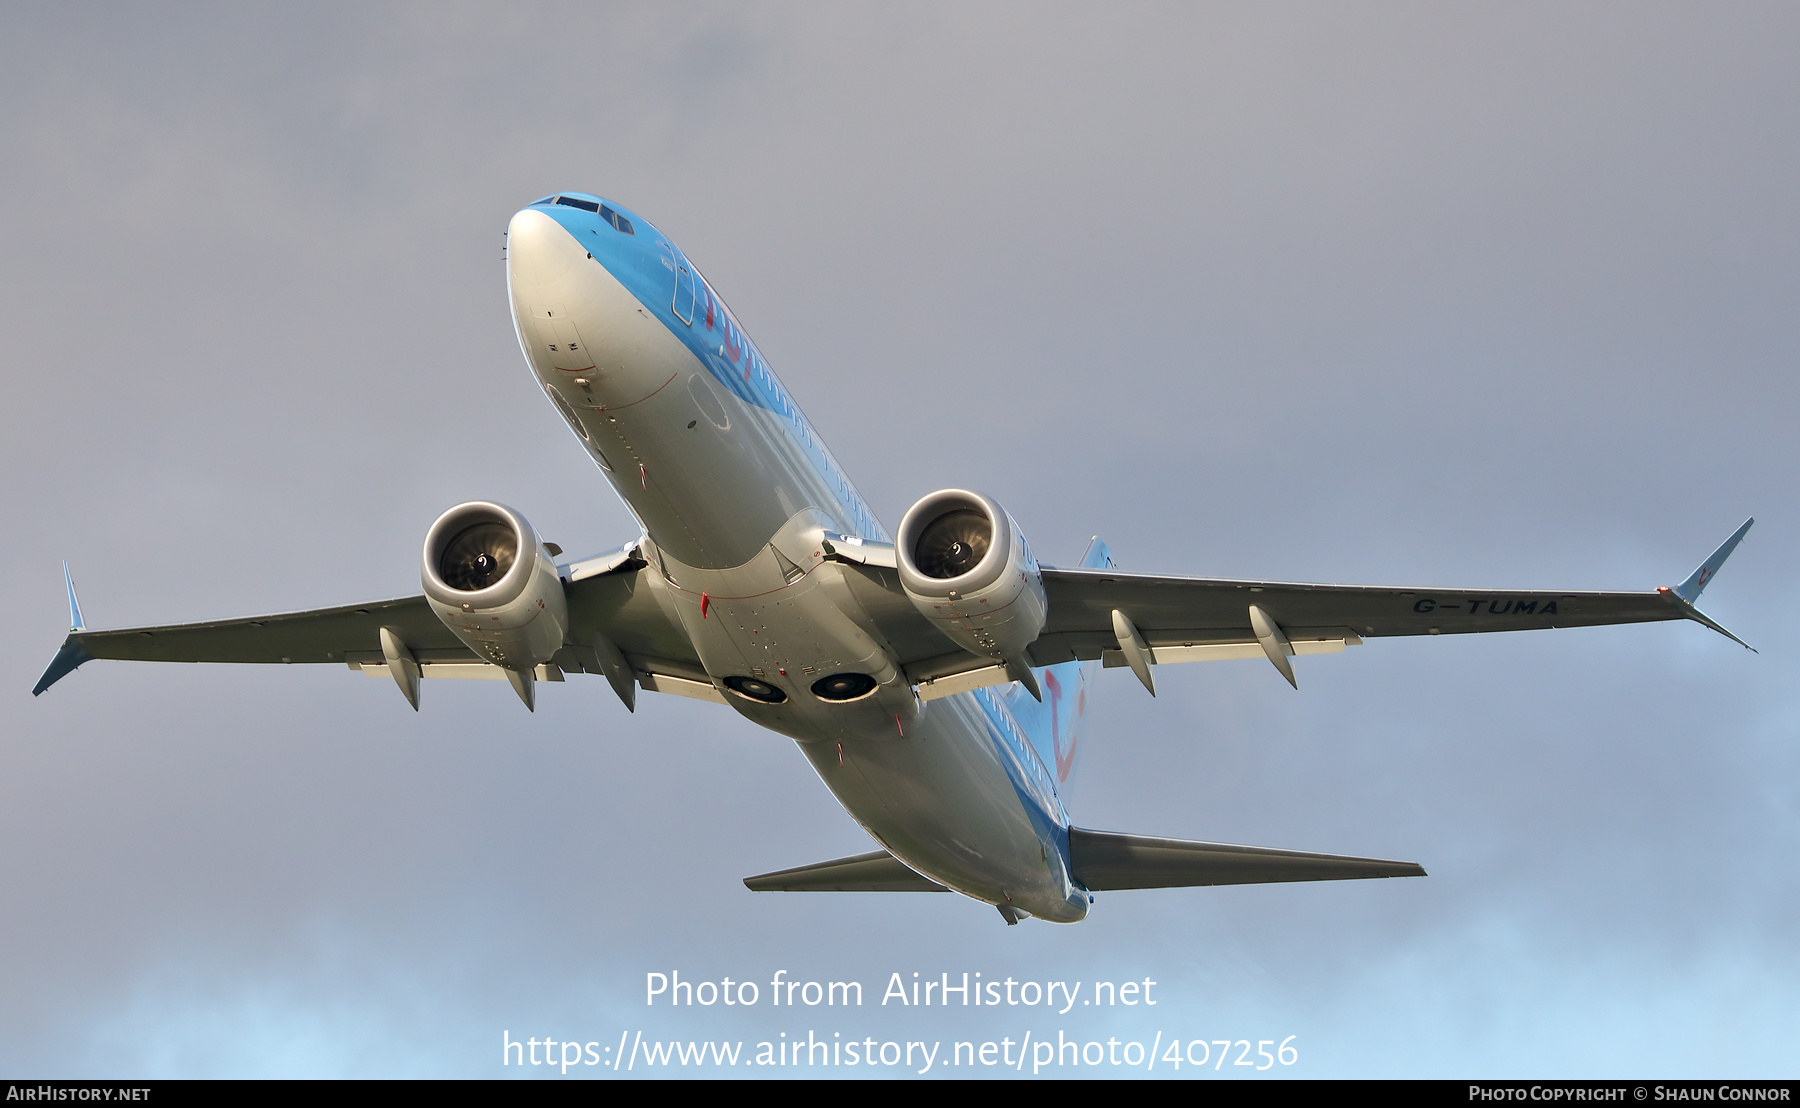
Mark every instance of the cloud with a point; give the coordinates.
(1391, 294)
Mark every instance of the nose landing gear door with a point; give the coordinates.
(558, 338)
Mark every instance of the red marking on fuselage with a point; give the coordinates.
(734, 346)
(1065, 761)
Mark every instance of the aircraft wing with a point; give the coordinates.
(1139, 620)
(1193, 618)
(1105, 614)
(612, 603)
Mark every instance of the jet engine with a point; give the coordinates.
(489, 578)
(965, 565)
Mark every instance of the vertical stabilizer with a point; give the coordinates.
(1054, 727)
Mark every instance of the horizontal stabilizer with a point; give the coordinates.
(875, 872)
(1104, 861)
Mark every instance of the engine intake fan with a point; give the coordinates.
(967, 568)
(490, 579)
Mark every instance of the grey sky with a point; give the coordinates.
(1381, 293)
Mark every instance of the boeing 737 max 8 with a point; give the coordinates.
(936, 681)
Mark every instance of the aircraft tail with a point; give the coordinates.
(1054, 726)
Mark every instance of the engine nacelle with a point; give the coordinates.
(965, 565)
(489, 578)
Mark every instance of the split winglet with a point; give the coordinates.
(72, 653)
(1684, 595)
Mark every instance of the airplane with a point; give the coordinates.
(936, 681)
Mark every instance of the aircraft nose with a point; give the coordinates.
(538, 250)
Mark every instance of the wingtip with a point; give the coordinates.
(1687, 609)
(1697, 581)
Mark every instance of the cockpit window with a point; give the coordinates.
(619, 222)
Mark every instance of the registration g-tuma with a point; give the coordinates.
(936, 679)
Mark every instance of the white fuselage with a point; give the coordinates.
(733, 488)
